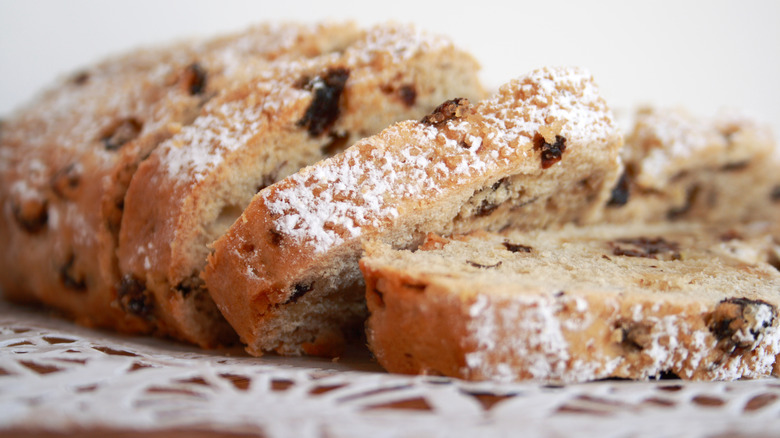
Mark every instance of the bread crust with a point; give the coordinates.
(286, 271)
(194, 186)
(680, 167)
(580, 304)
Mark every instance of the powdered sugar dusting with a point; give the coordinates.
(663, 140)
(364, 188)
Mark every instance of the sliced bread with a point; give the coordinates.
(542, 151)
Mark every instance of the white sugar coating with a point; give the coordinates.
(407, 161)
(664, 139)
(226, 127)
(398, 42)
(531, 330)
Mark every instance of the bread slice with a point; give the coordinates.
(67, 158)
(680, 167)
(580, 304)
(296, 112)
(541, 151)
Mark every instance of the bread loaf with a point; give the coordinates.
(540, 152)
(90, 205)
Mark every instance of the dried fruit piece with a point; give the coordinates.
(299, 290)
(479, 265)
(739, 323)
(690, 198)
(324, 108)
(69, 277)
(191, 284)
(634, 336)
(550, 153)
(621, 192)
(194, 79)
(133, 297)
(516, 247)
(408, 95)
(652, 248)
(120, 133)
(451, 109)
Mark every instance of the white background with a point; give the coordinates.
(702, 55)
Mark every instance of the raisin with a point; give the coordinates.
(70, 278)
(738, 323)
(133, 297)
(621, 192)
(729, 235)
(194, 79)
(276, 237)
(120, 133)
(408, 95)
(324, 108)
(667, 375)
(191, 284)
(733, 167)
(516, 247)
(65, 182)
(690, 198)
(451, 109)
(298, 291)
(32, 215)
(478, 265)
(551, 153)
(775, 195)
(80, 78)
(635, 336)
(648, 248)
(485, 208)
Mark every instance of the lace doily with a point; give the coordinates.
(55, 376)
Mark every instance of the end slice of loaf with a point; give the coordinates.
(67, 158)
(579, 304)
(680, 167)
(291, 114)
(540, 152)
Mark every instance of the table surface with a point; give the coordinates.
(56, 376)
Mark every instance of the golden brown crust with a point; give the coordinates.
(300, 110)
(575, 307)
(678, 167)
(279, 274)
(68, 158)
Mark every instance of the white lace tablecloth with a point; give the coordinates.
(58, 377)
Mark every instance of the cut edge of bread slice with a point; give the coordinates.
(295, 113)
(579, 304)
(540, 152)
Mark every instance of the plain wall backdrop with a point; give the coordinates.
(703, 55)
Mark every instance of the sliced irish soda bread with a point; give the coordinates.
(627, 301)
(680, 167)
(292, 114)
(542, 151)
(67, 158)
